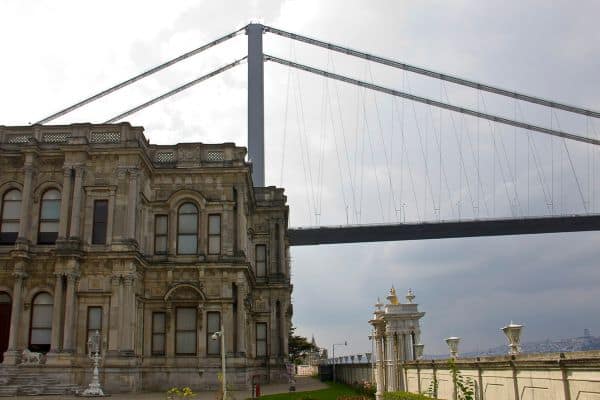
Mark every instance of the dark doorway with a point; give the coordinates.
(5, 307)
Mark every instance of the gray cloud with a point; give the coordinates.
(58, 53)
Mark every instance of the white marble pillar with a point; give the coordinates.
(132, 203)
(379, 375)
(57, 312)
(70, 313)
(77, 203)
(391, 371)
(17, 307)
(25, 217)
(65, 204)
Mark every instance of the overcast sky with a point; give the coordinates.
(354, 156)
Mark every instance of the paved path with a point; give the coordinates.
(303, 384)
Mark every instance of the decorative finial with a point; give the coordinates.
(392, 298)
(378, 305)
(410, 296)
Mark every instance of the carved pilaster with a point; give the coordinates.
(77, 202)
(65, 203)
(70, 313)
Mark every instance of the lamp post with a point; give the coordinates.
(337, 344)
(93, 345)
(215, 336)
(453, 345)
(513, 334)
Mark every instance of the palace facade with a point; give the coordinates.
(155, 247)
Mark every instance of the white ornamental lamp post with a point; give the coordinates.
(352, 359)
(513, 334)
(93, 345)
(453, 345)
(419, 351)
(359, 357)
(215, 336)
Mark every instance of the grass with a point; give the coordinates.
(331, 393)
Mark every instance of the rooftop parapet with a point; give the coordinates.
(123, 135)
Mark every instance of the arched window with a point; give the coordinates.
(49, 215)
(41, 323)
(187, 229)
(11, 214)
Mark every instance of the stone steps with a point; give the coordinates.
(15, 382)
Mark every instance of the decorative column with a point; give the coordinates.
(391, 357)
(228, 322)
(170, 331)
(282, 252)
(115, 311)
(77, 202)
(132, 203)
(65, 204)
(242, 318)
(127, 326)
(12, 354)
(57, 312)
(26, 203)
(380, 373)
(70, 313)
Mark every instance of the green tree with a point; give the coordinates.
(298, 347)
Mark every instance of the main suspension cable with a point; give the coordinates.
(433, 74)
(141, 76)
(434, 103)
(175, 91)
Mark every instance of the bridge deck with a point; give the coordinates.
(441, 230)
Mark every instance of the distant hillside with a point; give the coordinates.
(582, 343)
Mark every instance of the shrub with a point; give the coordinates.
(405, 396)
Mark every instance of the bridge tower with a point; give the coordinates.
(256, 103)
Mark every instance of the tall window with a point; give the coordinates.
(187, 229)
(41, 323)
(10, 217)
(261, 339)
(214, 234)
(160, 234)
(185, 333)
(158, 333)
(213, 324)
(94, 321)
(49, 215)
(100, 221)
(261, 260)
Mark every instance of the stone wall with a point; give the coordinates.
(552, 376)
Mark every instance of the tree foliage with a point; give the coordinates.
(299, 347)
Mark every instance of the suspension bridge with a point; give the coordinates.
(560, 164)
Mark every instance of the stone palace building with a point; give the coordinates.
(154, 246)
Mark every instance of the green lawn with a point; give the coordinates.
(331, 393)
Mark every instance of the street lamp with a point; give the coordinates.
(215, 336)
(94, 347)
(337, 344)
(513, 334)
